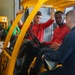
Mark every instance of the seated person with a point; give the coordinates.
(37, 27)
(65, 54)
(38, 30)
(16, 31)
(59, 33)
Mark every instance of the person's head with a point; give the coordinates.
(37, 18)
(59, 17)
(11, 21)
(70, 19)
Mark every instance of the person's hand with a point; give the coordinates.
(20, 12)
(55, 46)
(20, 21)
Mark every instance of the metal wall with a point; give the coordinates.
(7, 8)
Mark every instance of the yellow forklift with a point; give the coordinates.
(3, 27)
(8, 61)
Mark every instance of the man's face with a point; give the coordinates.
(37, 19)
(59, 19)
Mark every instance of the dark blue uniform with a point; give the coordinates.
(65, 55)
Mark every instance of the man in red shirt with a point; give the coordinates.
(38, 31)
(59, 33)
(38, 27)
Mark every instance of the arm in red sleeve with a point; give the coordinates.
(58, 38)
(51, 20)
(47, 24)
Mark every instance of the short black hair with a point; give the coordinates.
(57, 12)
(39, 13)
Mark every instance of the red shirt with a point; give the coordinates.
(38, 29)
(59, 33)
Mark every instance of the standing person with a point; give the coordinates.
(38, 30)
(38, 27)
(66, 52)
(59, 33)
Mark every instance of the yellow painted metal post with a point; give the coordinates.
(21, 36)
(11, 30)
(9, 36)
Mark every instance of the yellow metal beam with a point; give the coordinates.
(7, 54)
(11, 65)
(61, 4)
(8, 68)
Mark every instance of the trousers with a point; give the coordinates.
(39, 62)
